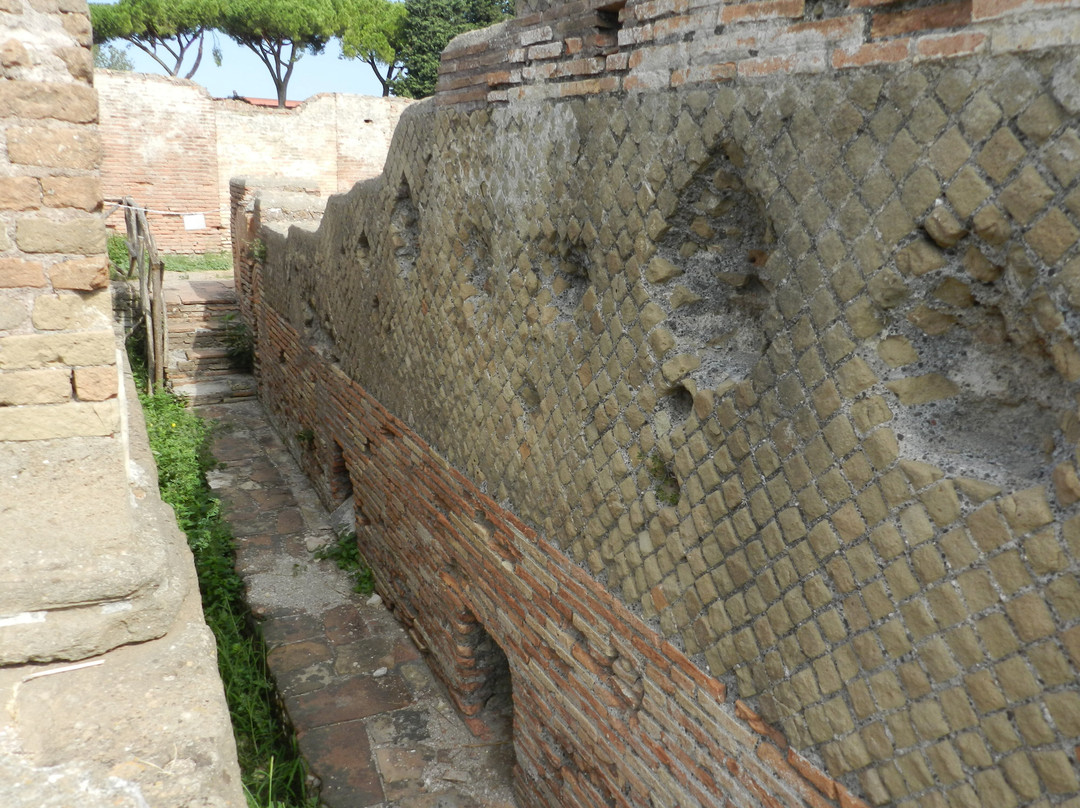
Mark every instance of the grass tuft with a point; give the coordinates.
(273, 773)
(346, 554)
(203, 262)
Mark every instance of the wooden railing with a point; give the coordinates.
(147, 266)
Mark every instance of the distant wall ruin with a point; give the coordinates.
(718, 365)
(172, 147)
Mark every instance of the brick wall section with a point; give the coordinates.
(786, 364)
(58, 373)
(172, 147)
(567, 49)
(160, 148)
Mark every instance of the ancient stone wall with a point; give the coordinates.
(93, 569)
(58, 374)
(730, 412)
(172, 147)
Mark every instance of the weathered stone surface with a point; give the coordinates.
(41, 350)
(81, 193)
(922, 389)
(80, 274)
(78, 236)
(72, 311)
(661, 270)
(897, 351)
(15, 272)
(79, 62)
(1066, 484)
(76, 103)
(14, 54)
(13, 313)
(96, 384)
(943, 227)
(69, 420)
(19, 193)
(51, 386)
(918, 258)
(854, 560)
(54, 147)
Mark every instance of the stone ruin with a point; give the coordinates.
(704, 375)
(703, 378)
(109, 691)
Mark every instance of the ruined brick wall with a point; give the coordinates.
(172, 147)
(160, 148)
(735, 406)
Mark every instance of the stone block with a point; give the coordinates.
(48, 386)
(54, 147)
(991, 226)
(979, 267)
(16, 272)
(81, 193)
(42, 350)
(13, 313)
(78, 25)
(96, 383)
(1063, 157)
(1026, 510)
(967, 191)
(1052, 236)
(14, 54)
(896, 351)
(1000, 155)
(923, 389)
(661, 270)
(1066, 484)
(80, 274)
(943, 227)
(1026, 196)
(19, 193)
(79, 62)
(70, 420)
(918, 258)
(72, 311)
(71, 102)
(84, 236)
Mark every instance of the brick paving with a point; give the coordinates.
(374, 724)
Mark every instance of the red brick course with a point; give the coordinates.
(532, 55)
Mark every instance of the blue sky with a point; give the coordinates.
(242, 72)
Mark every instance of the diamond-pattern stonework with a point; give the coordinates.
(785, 365)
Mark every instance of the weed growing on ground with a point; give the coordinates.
(200, 262)
(239, 343)
(273, 772)
(346, 554)
(119, 262)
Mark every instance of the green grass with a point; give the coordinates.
(204, 262)
(201, 262)
(273, 773)
(346, 554)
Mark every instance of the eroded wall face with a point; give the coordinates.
(787, 366)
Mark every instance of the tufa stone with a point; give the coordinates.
(943, 227)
